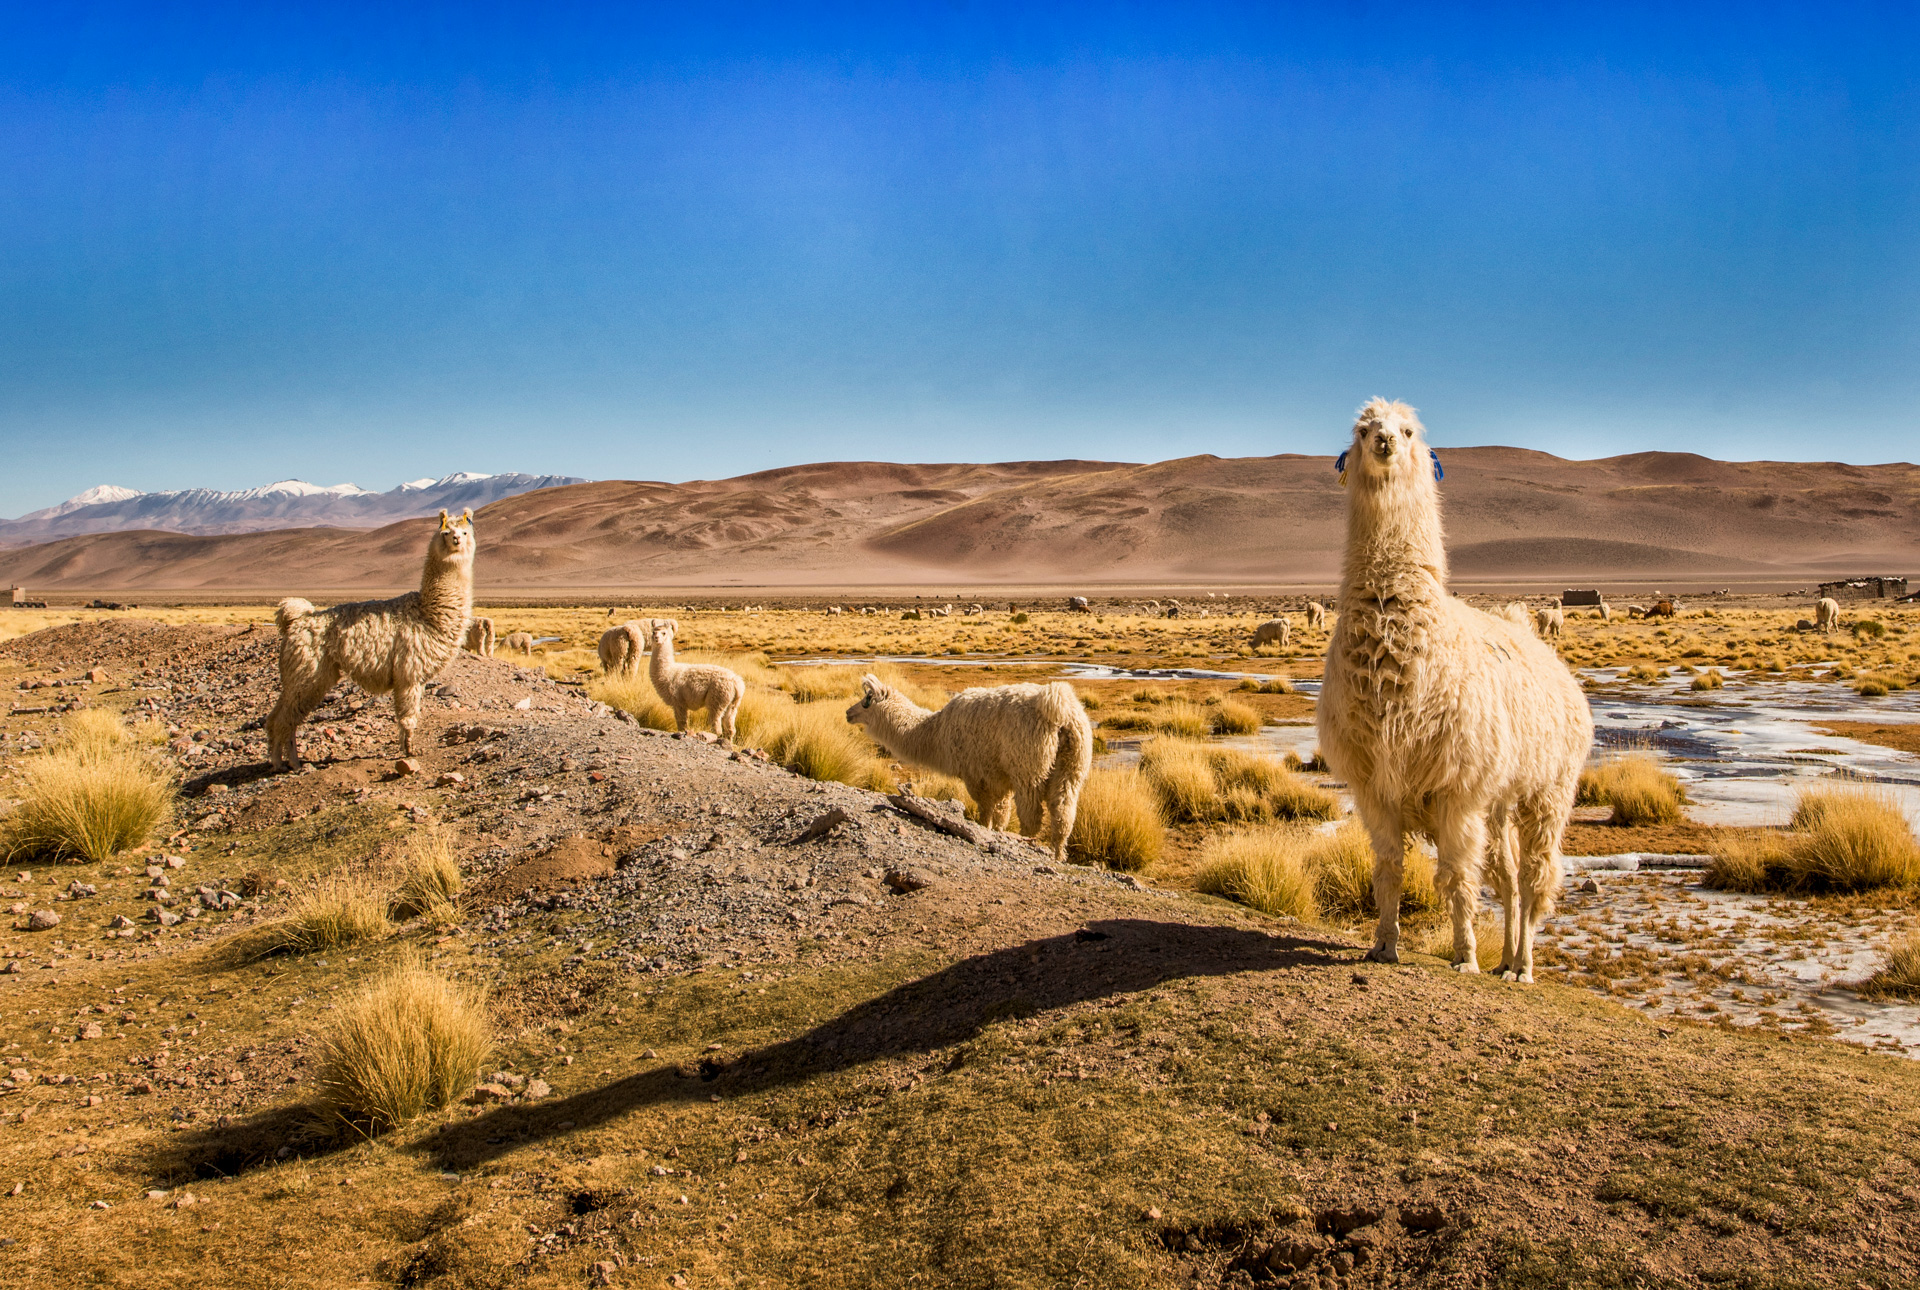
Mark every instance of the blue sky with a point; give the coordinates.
(349, 243)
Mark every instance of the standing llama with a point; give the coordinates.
(522, 641)
(480, 637)
(1549, 621)
(1442, 719)
(1031, 742)
(1316, 614)
(383, 646)
(688, 687)
(1275, 631)
(1826, 614)
(621, 648)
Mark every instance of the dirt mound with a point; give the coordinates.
(126, 644)
(573, 861)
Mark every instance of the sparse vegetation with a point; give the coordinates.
(1119, 823)
(1197, 783)
(1900, 974)
(411, 1043)
(429, 877)
(1638, 788)
(1230, 718)
(94, 794)
(341, 909)
(1844, 837)
(1264, 869)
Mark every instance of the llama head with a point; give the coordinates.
(662, 629)
(1389, 445)
(455, 537)
(872, 691)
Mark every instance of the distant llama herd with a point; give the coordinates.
(1444, 720)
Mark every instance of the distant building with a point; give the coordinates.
(1578, 599)
(1865, 589)
(20, 600)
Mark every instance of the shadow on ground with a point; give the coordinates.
(1113, 957)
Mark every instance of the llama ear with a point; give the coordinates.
(443, 520)
(466, 517)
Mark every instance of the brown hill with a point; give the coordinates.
(1512, 515)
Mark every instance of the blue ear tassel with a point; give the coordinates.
(1438, 473)
(1340, 462)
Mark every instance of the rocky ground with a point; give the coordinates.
(759, 1030)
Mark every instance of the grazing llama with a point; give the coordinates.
(1442, 719)
(522, 641)
(1031, 742)
(1826, 614)
(1549, 621)
(383, 646)
(480, 637)
(622, 647)
(688, 687)
(1275, 631)
(1316, 614)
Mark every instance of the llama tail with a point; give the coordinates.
(291, 611)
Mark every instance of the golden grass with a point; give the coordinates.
(1900, 974)
(1636, 786)
(1232, 718)
(1711, 679)
(413, 1042)
(1118, 824)
(1198, 784)
(1285, 869)
(1265, 869)
(95, 794)
(1184, 718)
(429, 877)
(1488, 941)
(815, 740)
(1845, 837)
(343, 908)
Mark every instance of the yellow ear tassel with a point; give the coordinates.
(1343, 479)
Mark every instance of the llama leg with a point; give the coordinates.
(1461, 839)
(1538, 879)
(1063, 804)
(726, 719)
(1026, 800)
(1384, 827)
(300, 694)
(1503, 871)
(680, 716)
(406, 714)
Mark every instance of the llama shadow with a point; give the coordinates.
(231, 1145)
(232, 776)
(1103, 959)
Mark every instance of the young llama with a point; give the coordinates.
(383, 646)
(1030, 742)
(1442, 719)
(688, 687)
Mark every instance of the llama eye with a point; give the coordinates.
(1407, 431)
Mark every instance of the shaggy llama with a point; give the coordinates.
(1549, 621)
(522, 641)
(480, 637)
(1826, 614)
(1442, 719)
(621, 648)
(688, 687)
(1275, 631)
(1316, 614)
(383, 646)
(1030, 742)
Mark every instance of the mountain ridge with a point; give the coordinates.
(1511, 514)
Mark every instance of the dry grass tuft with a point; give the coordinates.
(1900, 974)
(1198, 784)
(1343, 865)
(1488, 941)
(429, 877)
(1231, 718)
(1118, 824)
(1846, 837)
(1636, 786)
(413, 1042)
(815, 740)
(95, 794)
(342, 909)
(1264, 869)
(1749, 861)
(635, 695)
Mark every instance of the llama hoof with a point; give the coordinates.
(1382, 954)
(1522, 978)
(1469, 967)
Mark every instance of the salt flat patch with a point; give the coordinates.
(1660, 943)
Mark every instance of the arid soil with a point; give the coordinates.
(875, 1056)
(1512, 515)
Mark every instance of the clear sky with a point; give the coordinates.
(244, 243)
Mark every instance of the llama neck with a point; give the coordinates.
(1395, 548)
(900, 725)
(446, 593)
(662, 660)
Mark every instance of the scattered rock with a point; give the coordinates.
(1342, 1221)
(451, 779)
(1422, 1218)
(42, 920)
(1292, 1253)
(97, 675)
(184, 1199)
(602, 1273)
(538, 1088)
(485, 1093)
(120, 922)
(822, 825)
(1359, 978)
(165, 917)
(1590, 887)
(81, 890)
(524, 705)
(100, 1204)
(904, 881)
(407, 766)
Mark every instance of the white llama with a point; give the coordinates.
(1030, 742)
(383, 646)
(1275, 631)
(480, 639)
(688, 687)
(1826, 614)
(1443, 720)
(1316, 614)
(621, 648)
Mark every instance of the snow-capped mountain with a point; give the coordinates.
(288, 503)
